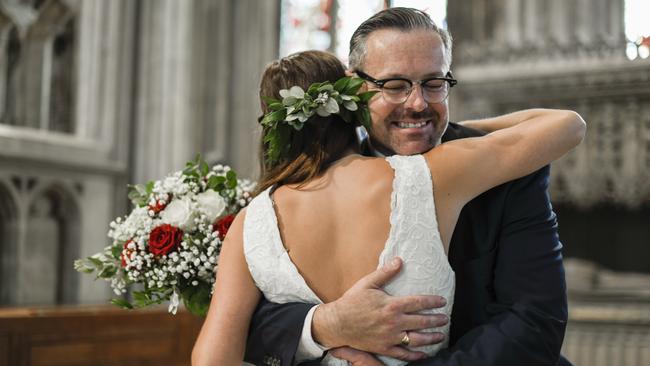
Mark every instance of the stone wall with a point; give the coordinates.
(96, 94)
(516, 54)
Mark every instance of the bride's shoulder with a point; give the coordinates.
(366, 176)
(364, 169)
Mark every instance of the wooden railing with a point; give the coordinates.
(75, 336)
(599, 333)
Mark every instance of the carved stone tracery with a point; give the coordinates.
(39, 239)
(37, 57)
(562, 54)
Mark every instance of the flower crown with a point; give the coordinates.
(297, 107)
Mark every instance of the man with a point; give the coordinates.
(510, 301)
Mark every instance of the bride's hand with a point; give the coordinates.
(356, 357)
(368, 319)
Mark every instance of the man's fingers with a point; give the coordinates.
(414, 304)
(422, 321)
(381, 276)
(355, 356)
(405, 354)
(418, 339)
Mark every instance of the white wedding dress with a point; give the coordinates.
(413, 236)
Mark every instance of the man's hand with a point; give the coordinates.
(368, 319)
(356, 357)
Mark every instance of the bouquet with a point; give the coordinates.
(170, 242)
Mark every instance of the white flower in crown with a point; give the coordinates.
(326, 104)
(211, 204)
(292, 98)
(322, 98)
(179, 213)
(295, 92)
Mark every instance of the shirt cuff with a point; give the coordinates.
(308, 349)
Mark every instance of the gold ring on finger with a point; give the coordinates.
(405, 340)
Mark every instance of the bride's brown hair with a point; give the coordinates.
(322, 140)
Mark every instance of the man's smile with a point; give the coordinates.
(413, 124)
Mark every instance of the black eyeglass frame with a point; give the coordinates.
(449, 78)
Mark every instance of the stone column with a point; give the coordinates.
(257, 27)
(199, 69)
(164, 118)
(529, 30)
(5, 28)
(559, 23)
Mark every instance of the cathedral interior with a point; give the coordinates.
(98, 94)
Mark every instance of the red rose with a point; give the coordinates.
(223, 225)
(164, 239)
(128, 252)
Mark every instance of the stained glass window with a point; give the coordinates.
(329, 24)
(350, 14)
(637, 28)
(305, 25)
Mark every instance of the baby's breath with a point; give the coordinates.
(186, 271)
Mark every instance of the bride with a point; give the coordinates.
(326, 216)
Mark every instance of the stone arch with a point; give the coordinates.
(45, 35)
(7, 37)
(52, 242)
(53, 15)
(9, 237)
(50, 40)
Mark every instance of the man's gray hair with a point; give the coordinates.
(404, 19)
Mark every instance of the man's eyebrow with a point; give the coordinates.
(436, 74)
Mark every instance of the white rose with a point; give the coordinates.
(211, 204)
(179, 213)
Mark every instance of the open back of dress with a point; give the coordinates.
(414, 236)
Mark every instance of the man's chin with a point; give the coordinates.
(414, 148)
(404, 148)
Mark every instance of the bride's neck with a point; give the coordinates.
(347, 153)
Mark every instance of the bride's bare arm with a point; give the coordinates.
(222, 340)
(497, 123)
(522, 143)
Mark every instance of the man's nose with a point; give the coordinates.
(415, 101)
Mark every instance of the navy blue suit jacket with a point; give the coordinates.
(510, 306)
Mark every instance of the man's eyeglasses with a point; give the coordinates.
(397, 90)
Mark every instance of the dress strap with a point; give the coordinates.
(412, 203)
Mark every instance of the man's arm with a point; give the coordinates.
(363, 317)
(528, 318)
(275, 332)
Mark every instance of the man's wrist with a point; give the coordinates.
(308, 349)
(324, 326)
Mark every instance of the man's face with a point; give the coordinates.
(414, 126)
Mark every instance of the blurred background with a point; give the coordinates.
(95, 94)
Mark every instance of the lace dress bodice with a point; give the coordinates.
(413, 236)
